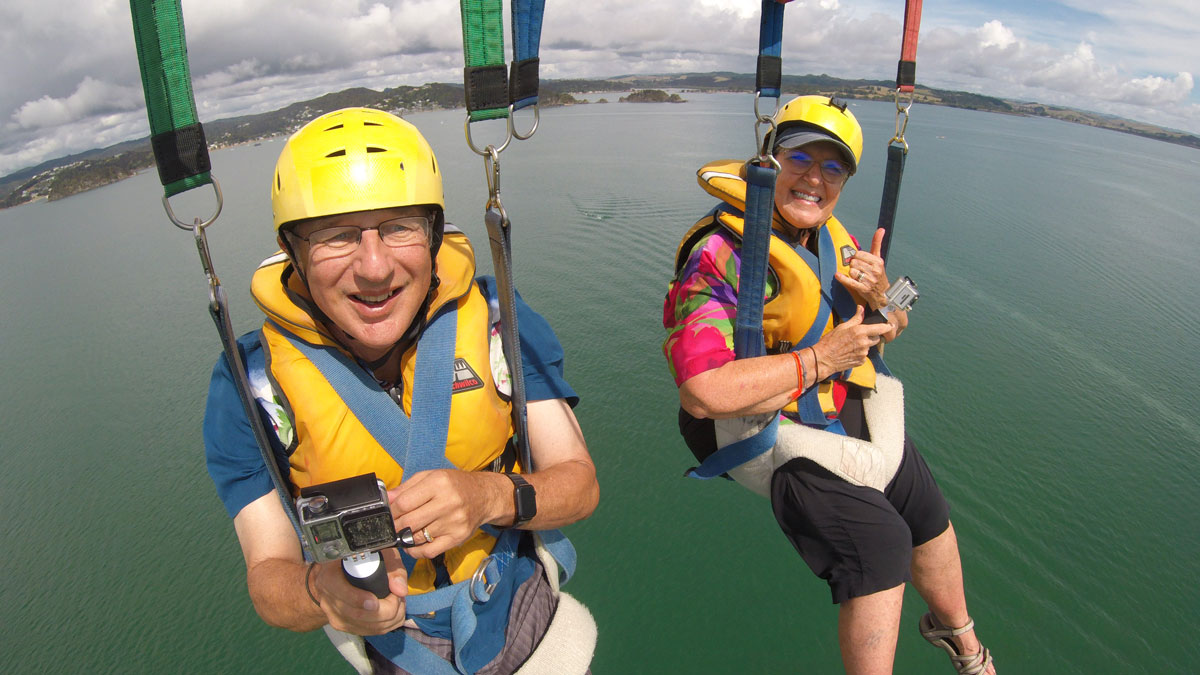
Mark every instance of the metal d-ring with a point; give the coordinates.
(480, 577)
(537, 116)
(507, 139)
(202, 224)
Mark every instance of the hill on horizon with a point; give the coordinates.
(65, 176)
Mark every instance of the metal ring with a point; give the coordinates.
(766, 159)
(757, 114)
(471, 143)
(191, 226)
(480, 577)
(425, 531)
(861, 276)
(537, 117)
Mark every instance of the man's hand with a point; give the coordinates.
(444, 507)
(354, 610)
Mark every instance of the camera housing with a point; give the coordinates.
(902, 295)
(346, 517)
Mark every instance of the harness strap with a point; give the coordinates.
(416, 443)
(176, 136)
(485, 76)
(464, 600)
(752, 276)
(768, 77)
(737, 453)
(906, 69)
(526, 37)
(906, 73)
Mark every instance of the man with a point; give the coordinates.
(848, 487)
(374, 281)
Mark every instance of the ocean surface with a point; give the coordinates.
(1050, 368)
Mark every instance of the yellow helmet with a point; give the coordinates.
(355, 159)
(806, 119)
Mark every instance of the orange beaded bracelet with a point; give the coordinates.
(799, 376)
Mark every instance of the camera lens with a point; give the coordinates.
(317, 505)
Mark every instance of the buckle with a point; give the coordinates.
(480, 577)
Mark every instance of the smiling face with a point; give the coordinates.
(371, 293)
(806, 199)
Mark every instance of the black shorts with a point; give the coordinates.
(856, 538)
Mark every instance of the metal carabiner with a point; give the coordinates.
(763, 142)
(480, 577)
(491, 168)
(210, 272)
(537, 117)
(507, 138)
(197, 223)
(901, 120)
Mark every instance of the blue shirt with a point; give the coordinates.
(234, 460)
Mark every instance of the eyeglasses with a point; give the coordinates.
(835, 172)
(396, 233)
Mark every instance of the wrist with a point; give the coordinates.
(309, 580)
(524, 500)
(816, 366)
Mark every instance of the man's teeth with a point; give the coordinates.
(374, 298)
(806, 196)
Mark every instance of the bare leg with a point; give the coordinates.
(867, 630)
(937, 576)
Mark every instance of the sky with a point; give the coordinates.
(71, 82)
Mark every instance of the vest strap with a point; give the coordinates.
(417, 443)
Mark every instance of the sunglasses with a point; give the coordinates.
(832, 170)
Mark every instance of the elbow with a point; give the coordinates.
(697, 405)
(589, 497)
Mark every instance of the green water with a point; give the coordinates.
(1050, 369)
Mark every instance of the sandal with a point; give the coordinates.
(939, 635)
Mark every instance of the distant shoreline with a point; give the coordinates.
(67, 176)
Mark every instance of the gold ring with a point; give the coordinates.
(425, 531)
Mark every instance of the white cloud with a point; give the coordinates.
(72, 82)
(91, 97)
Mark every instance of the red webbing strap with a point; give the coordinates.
(906, 70)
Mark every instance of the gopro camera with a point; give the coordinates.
(350, 520)
(902, 295)
(345, 517)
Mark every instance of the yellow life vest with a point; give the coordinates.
(329, 441)
(790, 313)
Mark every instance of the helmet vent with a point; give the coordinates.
(336, 126)
(371, 148)
(336, 153)
(368, 123)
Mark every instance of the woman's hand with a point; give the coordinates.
(846, 346)
(868, 274)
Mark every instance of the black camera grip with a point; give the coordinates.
(367, 571)
(874, 316)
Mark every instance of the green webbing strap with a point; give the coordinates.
(486, 75)
(176, 136)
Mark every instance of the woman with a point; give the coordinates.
(848, 487)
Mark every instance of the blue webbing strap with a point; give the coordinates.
(752, 277)
(461, 598)
(891, 195)
(526, 38)
(769, 73)
(416, 444)
(737, 453)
